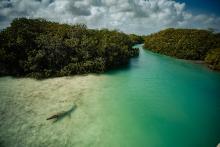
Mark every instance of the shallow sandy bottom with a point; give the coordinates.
(26, 103)
(157, 101)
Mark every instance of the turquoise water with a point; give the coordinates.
(156, 101)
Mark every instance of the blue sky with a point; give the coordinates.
(130, 16)
(203, 6)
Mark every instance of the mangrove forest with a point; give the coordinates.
(40, 49)
(190, 44)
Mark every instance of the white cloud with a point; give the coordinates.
(131, 16)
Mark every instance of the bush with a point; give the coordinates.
(40, 49)
(183, 43)
(213, 59)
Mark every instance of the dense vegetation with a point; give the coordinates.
(136, 39)
(189, 44)
(213, 59)
(38, 48)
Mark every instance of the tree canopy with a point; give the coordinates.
(40, 49)
(213, 59)
(189, 44)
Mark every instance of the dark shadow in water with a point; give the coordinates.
(2, 144)
(119, 68)
(124, 68)
(61, 115)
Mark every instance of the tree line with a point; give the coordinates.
(40, 49)
(189, 44)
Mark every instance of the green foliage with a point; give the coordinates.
(136, 39)
(40, 49)
(183, 43)
(187, 44)
(213, 59)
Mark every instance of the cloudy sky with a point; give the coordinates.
(130, 16)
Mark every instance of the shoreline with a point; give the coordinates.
(201, 62)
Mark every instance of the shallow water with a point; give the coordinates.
(155, 101)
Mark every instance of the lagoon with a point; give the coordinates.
(155, 101)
